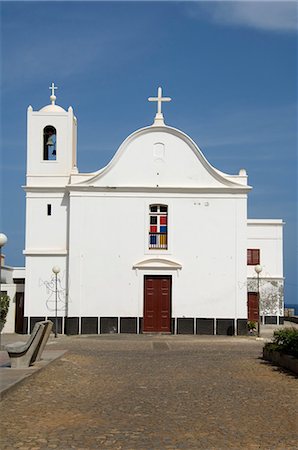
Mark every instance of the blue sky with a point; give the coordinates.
(230, 68)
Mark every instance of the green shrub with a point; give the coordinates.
(285, 341)
(251, 325)
(4, 305)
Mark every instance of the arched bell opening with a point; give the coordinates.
(49, 143)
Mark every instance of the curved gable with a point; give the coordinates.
(160, 157)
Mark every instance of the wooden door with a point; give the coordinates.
(252, 306)
(157, 304)
(19, 318)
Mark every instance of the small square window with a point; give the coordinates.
(153, 208)
(153, 220)
(253, 256)
(163, 208)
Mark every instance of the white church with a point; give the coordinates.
(158, 241)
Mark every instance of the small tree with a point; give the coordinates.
(4, 306)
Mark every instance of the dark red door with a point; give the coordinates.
(157, 303)
(252, 306)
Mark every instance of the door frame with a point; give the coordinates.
(256, 295)
(170, 278)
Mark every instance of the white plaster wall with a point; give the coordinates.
(45, 232)
(266, 235)
(6, 274)
(40, 285)
(202, 238)
(47, 181)
(18, 272)
(160, 156)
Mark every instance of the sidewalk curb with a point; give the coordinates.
(11, 378)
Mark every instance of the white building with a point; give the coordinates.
(156, 241)
(12, 284)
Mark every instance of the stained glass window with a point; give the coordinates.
(158, 228)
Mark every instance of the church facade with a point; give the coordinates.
(156, 241)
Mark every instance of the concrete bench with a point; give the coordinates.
(22, 354)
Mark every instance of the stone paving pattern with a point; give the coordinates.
(153, 392)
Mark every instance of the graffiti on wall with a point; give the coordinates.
(50, 290)
(271, 295)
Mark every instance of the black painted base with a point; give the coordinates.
(225, 327)
(89, 325)
(128, 325)
(242, 329)
(185, 325)
(71, 325)
(25, 326)
(134, 325)
(270, 320)
(108, 325)
(33, 321)
(59, 324)
(205, 326)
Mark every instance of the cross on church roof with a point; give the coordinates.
(53, 96)
(159, 99)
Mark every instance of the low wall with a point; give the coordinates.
(293, 319)
(286, 361)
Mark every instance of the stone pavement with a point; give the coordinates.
(10, 378)
(153, 392)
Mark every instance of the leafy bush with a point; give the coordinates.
(4, 305)
(285, 341)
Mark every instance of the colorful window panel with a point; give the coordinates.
(158, 228)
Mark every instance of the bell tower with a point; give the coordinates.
(51, 144)
(51, 160)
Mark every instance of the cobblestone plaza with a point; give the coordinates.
(153, 392)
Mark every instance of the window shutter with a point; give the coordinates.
(253, 256)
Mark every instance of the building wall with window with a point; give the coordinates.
(265, 238)
(102, 259)
(155, 241)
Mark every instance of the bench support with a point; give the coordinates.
(22, 354)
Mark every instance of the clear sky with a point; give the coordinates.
(230, 68)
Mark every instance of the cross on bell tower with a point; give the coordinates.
(53, 96)
(159, 120)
